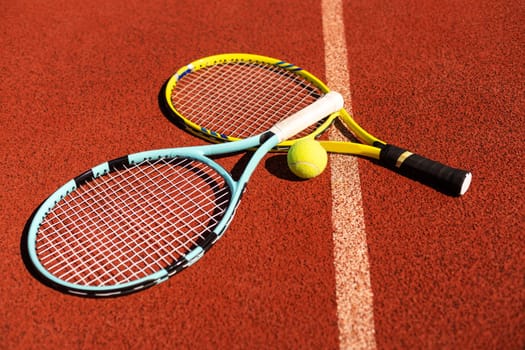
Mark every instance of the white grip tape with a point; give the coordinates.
(297, 122)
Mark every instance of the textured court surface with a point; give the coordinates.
(80, 85)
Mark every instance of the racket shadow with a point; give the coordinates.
(164, 108)
(25, 255)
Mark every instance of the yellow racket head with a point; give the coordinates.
(229, 97)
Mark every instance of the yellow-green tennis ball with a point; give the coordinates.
(307, 158)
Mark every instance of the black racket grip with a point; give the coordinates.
(452, 181)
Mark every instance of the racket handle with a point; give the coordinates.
(297, 122)
(439, 176)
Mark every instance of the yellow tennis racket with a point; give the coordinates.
(213, 113)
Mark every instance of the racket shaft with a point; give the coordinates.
(439, 176)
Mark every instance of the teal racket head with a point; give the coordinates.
(130, 223)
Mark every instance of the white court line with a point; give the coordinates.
(352, 272)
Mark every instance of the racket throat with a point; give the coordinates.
(266, 136)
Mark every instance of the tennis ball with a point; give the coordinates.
(307, 158)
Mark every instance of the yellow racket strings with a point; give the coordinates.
(242, 99)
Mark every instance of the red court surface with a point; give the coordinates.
(80, 84)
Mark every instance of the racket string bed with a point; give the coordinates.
(242, 99)
(128, 224)
(221, 98)
(272, 93)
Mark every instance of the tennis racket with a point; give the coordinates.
(205, 117)
(134, 221)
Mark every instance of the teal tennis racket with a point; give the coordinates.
(134, 221)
